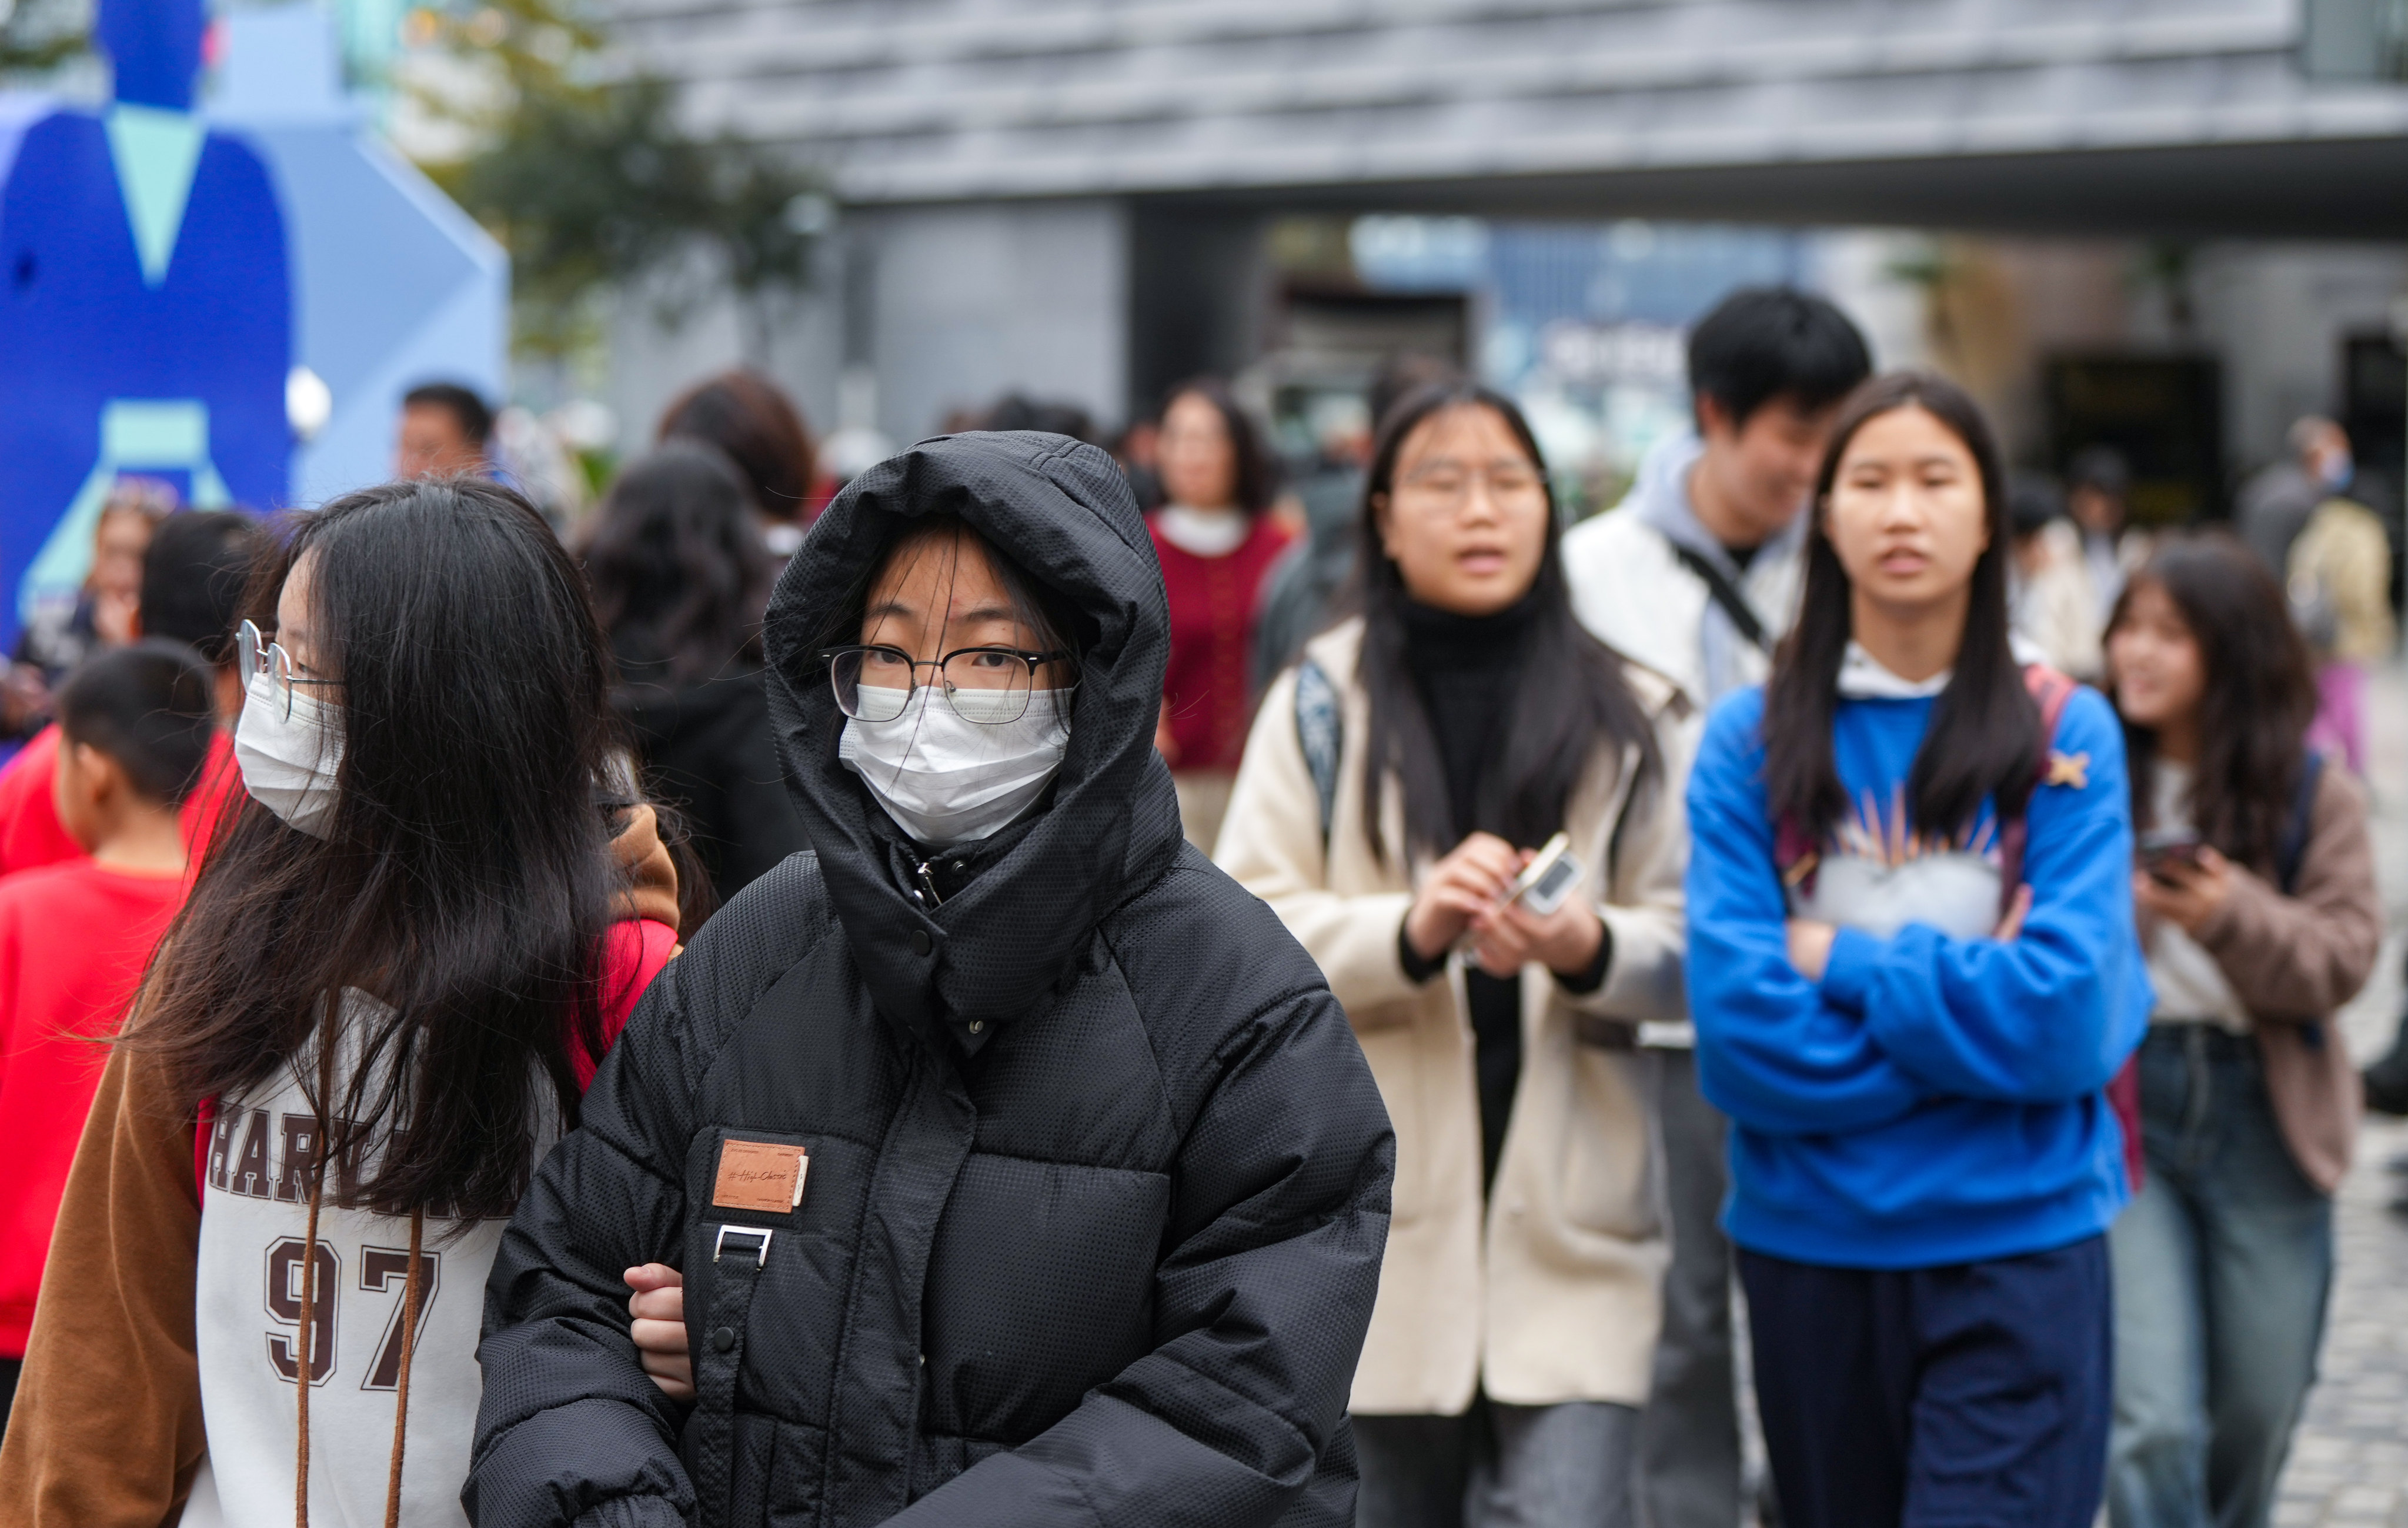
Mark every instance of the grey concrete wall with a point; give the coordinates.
(656, 356)
(2278, 313)
(966, 303)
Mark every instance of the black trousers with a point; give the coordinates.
(1974, 1396)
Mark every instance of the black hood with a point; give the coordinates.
(1064, 513)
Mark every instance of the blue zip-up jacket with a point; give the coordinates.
(1935, 1098)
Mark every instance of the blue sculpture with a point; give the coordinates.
(145, 309)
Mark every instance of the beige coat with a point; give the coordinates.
(1550, 1294)
(2342, 562)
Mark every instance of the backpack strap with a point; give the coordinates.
(2050, 690)
(204, 1127)
(1727, 594)
(2291, 850)
(1321, 731)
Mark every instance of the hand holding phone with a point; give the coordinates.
(2162, 850)
(1549, 878)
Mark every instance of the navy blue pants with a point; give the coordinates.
(1974, 1397)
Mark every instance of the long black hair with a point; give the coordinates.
(1571, 693)
(2259, 697)
(465, 882)
(679, 574)
(1984, 738)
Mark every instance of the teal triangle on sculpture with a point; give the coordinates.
(155, 153)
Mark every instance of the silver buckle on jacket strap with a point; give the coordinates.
(761, 1258)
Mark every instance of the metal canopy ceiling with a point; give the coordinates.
(2354, 189)
(2148, 116)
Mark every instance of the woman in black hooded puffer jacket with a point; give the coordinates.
(1097, 1181)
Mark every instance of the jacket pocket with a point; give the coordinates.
(1397, 1065)
(793, 1486)
(1607, 1180)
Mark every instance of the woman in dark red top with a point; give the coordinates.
(1215, 542)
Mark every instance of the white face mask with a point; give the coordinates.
(288, 763)
(946, 780)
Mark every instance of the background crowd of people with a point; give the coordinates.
(1848, 877)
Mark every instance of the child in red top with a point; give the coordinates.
(135, 730)
(192, 579)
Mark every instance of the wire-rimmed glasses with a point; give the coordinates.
(256, 656)
(989, 685)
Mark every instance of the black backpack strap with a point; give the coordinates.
(1321, 731)
(1725, 593)
(2291, 849)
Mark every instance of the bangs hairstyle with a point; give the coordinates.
(1055, 622)
(2254, 709)
(1256, 479)
(1985, 731)
(466, 882)
(679, 570)
(1572, 692)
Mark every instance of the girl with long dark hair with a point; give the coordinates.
(1014, 1167)
(681, 579)
(410, 944)
(1913, 973)
(1396, 783)
(2260, 915)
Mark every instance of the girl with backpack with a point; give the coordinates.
(1398, 782)
(412, 939)
(2260, 917)
(1913, 972)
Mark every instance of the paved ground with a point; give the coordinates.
(2349, 1464)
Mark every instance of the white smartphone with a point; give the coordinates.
(1546, 881)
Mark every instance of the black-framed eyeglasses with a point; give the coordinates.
(990, 686)
(256, 656)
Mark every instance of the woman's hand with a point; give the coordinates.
(658, 1307)
(1507, 937)
(1809, 946)
(1460, 888)
(2190, 894)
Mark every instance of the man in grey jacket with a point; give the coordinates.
(1695, 574)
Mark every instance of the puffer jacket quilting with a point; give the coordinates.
(1093, 1218)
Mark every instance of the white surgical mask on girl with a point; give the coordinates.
(947, 780)
(289, 763)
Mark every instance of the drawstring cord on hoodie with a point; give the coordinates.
(410, 1303)
(308, 1316)
(409, 1344)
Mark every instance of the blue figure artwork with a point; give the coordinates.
(146, 310)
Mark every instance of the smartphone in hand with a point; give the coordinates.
(2163, 849)
(1546, 881)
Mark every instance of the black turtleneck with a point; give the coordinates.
(1467, 669)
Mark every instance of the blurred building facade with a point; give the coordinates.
(2169, 224)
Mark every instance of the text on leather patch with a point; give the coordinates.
(759, 1175)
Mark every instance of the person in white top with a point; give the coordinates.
(1695, 574)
